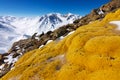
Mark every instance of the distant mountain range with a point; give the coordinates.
(15, 28)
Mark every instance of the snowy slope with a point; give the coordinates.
(7, 36)
(15, 28)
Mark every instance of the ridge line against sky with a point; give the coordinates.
(40, 7)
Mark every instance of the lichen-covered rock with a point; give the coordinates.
(26, 45)
(92, 52)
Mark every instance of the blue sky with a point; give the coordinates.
(41, 7)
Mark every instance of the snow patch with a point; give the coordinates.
(41, 46)
(1, 67)
(100, 12)
(61, 37)
(17, 47)
(20, 53)
(37, 38)
(71, 33)
(49, 41)
(10, 59)
(116, 23)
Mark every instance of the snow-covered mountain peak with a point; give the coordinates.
(69, 14)
(51, 14)
(7, 18)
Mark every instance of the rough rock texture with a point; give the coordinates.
(99, 13)
(26, 45)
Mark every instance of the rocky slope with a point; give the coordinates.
(92, 52)
(36, 41)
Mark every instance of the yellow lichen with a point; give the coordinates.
(92, 52)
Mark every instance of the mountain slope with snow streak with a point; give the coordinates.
(15, 28)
